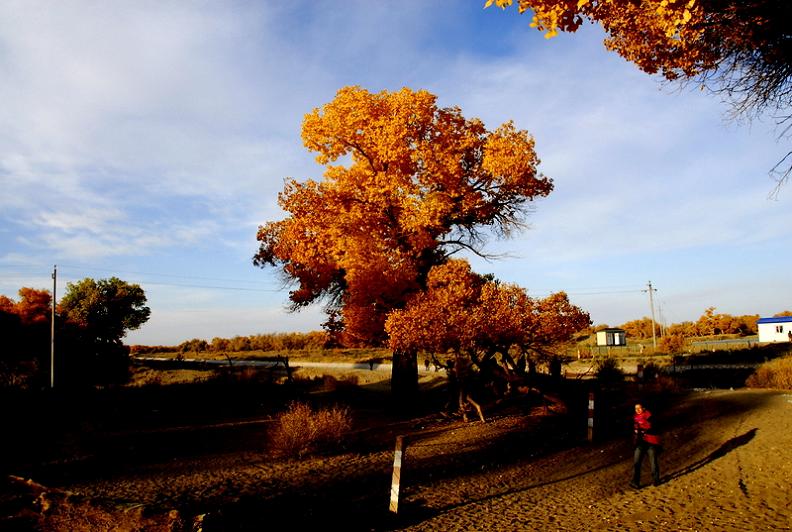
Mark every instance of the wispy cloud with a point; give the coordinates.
(119, 109)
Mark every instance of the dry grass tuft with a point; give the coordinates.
(774, 374)
(302, 430)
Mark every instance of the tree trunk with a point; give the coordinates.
(404, 377)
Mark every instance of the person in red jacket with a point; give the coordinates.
(647, 442)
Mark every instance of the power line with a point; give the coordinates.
(72, 267)
(601, 293)
(46, 270)
(237, 288)
(171, 275)
(590, 293)
(212, 287)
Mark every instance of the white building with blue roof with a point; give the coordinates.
(775, 329)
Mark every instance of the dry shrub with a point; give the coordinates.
(301, 429)
(672, 343)
(774, 374)
(608, 372)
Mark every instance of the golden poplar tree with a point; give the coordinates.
(406, 184)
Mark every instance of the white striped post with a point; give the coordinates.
(397, 463)
(591, 417)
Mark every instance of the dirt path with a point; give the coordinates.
(727, 465)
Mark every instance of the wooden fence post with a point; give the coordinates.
(397, 464)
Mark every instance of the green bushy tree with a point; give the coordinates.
(97, 316)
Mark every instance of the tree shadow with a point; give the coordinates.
(727, 447)
(415, 512)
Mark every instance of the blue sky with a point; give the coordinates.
(148, 140)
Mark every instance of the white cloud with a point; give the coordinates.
(115, 108)
(91, 220)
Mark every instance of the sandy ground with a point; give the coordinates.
(727, 465)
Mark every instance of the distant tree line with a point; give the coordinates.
(710, 323)
(259, 342)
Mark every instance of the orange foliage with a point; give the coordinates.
(558, 319)
(464, 313)
(711, 323)
(417, 182)
(641, 328)
(441, 318)
(34, 306)
(747, 40)
(671, 343)
(7, 305)
(740, 50)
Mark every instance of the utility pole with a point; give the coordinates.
(52, 326)
(651, 307)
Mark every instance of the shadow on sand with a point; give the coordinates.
(723, 450)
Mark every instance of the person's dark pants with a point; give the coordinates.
(641, 450)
